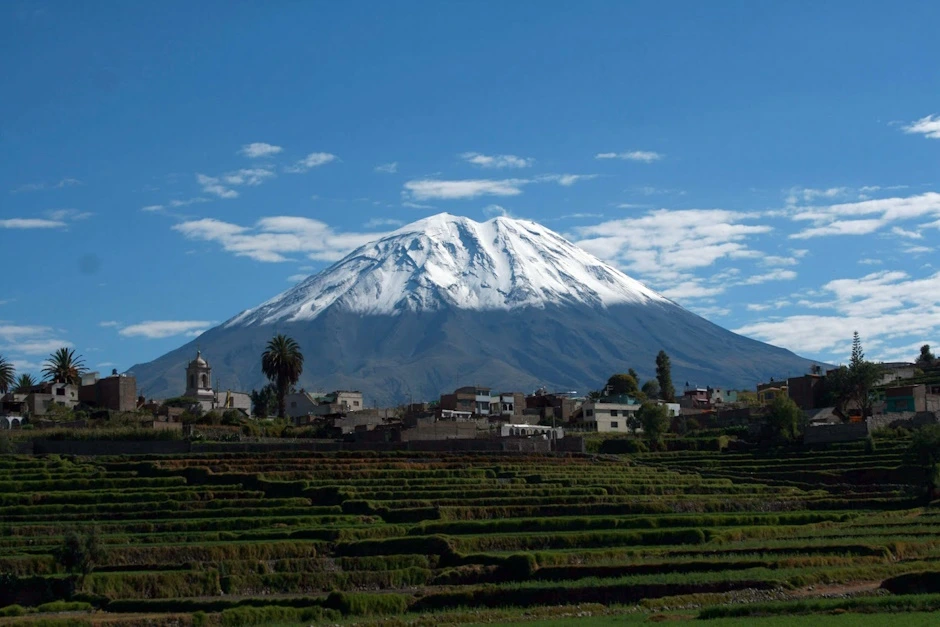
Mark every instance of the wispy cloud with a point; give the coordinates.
(883, 306)
(60, 215)
(928, 126)
(868, 216)
(775, 275)
(387, 168)
(109, 323)
(495, 211)
(256, 150)
(41, 347)
(37, 187)
(906, 233)
(273, 239)
(157, 329)
(665, 245)
(152, 208)
(496, 161)
(212, 185)
(297, 278)
(567, 180)
(376, 222)
(30, 223)
(313, 160)
(645, 156)
(432, 189)
(221, 186)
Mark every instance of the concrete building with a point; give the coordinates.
(524, 430)
(338, 403)
(910, 398)
(45, 395)
(767, 392)
(117, 392)
(481, 401)
(895, 371)
(240, 401)
(547, 405)
(605, 417)
(807, 391)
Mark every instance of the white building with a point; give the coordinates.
(511, 430)
(199, 387)
(606, 417)
(613, 417)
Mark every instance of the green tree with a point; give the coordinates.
(282, 363)
(6, 375)
(862, 377)
(651, 389)
(64, 366)
(622, 383)
(924, 451)
(24, 383)
(926, 358)
(264, 401)
(784, 418)
(632, 373)
(664, 376)
(80, 554)
(654, 418)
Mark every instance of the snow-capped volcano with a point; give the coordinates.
(446, 302)
(446, 260)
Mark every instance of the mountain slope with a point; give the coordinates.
(446, 302)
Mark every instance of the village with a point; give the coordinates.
(904, 394)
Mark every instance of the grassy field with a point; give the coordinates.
(421, 539)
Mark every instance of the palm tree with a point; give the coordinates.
(6, 375)
(282, 362)
(24, 383)
(64, 366)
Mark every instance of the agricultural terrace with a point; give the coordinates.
(362, 538)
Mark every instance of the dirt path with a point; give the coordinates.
(836, 590)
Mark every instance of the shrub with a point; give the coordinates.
(12, 610)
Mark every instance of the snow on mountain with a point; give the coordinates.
(453, 261)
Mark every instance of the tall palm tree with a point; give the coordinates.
(282, 362)
(64, 366)
(24, 383)
(6, 375)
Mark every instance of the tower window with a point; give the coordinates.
(205, 381)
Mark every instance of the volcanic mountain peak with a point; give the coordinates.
(450, 261)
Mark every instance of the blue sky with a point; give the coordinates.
(771, 166)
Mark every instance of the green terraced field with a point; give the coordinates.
(294, 538)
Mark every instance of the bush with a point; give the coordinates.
(12, 610)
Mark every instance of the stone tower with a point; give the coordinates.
(199, 381)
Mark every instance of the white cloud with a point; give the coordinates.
(497, 161)
(30, 223)
(665, 245)
(712, 311)
(776, 275)
(60, 215)
(779, 260)
(297, 278)
(868, 216)
(928, 126)
(375, 222)
(433, 189)
(313, 160)
(273, 239)
(883, 306)
(36, 187)
(152, 208)
(414, 205)
(248, 176)
(808, 194)
(212, 185)
(906, 233)
(109, 323)
(910, 249)
(259, 149)
(189, 201)
(387, 168)
(568, 180)
(645, 156)
(156, 329)
(16, 332)
(41, 346)
(494, 211)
